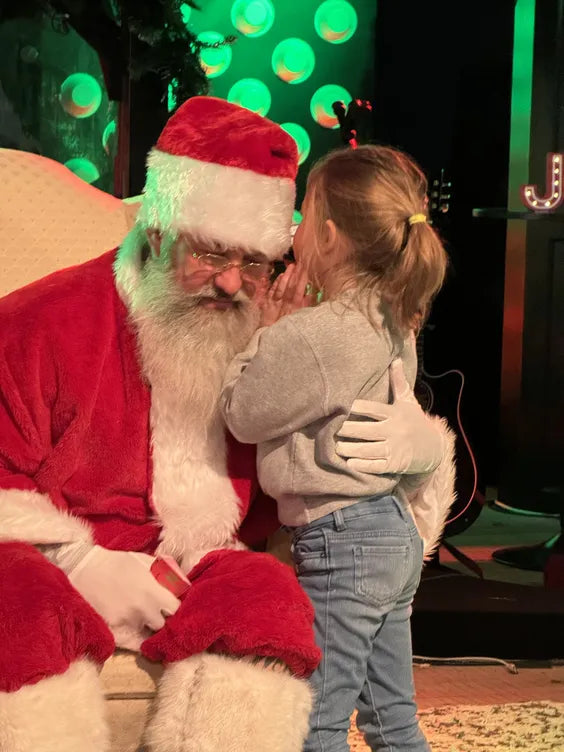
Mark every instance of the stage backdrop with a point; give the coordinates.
(289, 61)
(53, 100)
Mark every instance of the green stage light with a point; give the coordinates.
(301, 137)
(83, 168)
(321, 104)
(335, 21)
(253, 18)
(297, 217)
(252, 94)
(185, 11)
(214, 60)
(293, 60)
(80, 95)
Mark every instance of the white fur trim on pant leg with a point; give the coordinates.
(32, 517)
(63, 713)
(209, 703)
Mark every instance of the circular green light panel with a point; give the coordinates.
(80, 95)
(215, 60)
(252, 94)
(83, 168)
(293, 60)
(336, 21)
(321, 104)
(253, 18)
(301, 137)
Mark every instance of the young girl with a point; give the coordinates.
(365, 241)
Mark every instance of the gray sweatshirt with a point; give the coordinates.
(292, 389)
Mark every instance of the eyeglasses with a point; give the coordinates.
(215, 264)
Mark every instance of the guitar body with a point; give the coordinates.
(442, 395)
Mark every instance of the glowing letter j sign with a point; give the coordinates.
(554, 196)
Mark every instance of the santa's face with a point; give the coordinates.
(221, 278)
(194, 310)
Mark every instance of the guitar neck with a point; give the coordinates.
(439, 197)
(419, 349)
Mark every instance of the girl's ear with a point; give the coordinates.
(154, 237)
(330, 236)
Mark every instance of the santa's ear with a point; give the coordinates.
(155, 239)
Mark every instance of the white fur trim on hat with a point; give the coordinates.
(231, 206)
(63, 713)
(212, 702)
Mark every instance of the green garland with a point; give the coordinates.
(158, 41)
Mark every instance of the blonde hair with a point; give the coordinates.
(370, 193)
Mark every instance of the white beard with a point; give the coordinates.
(184, 351)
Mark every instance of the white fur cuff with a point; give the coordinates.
(31, 517)
(431, 502)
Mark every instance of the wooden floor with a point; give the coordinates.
(452, 685)
(438, 686)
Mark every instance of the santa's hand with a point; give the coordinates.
(120, 587)
(399, 438)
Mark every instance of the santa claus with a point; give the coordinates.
(113, 455)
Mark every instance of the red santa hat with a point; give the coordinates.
(223, 173)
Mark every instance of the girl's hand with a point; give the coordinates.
(289, 293)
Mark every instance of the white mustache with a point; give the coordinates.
(210, 293)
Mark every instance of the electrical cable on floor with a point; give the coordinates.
(424, 660)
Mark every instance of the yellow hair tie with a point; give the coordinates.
(415, 218)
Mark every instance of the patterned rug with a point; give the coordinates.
(530, 727)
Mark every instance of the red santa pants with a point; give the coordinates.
(240, 603)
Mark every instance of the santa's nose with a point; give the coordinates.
(229, 280)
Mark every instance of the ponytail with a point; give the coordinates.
(409, 285)
(377, 198)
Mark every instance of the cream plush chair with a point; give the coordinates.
(50, 219)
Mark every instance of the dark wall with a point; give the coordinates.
(532, 468)
(443, 88)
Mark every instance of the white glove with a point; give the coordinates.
(400, 438)
(120, 587)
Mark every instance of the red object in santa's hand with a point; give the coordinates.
(168, 574)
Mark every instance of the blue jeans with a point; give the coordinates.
(361, 567)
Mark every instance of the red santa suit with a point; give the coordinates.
(76, 445)
(82, 449)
